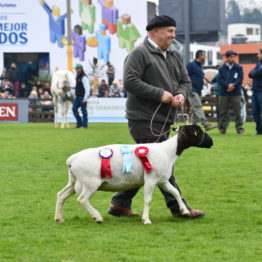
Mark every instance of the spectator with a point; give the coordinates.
(230, 79)
(114, 90)
(13, 77)
(4, 75)
(110, 73)
(23, 90)
(103, 89)
(256, 75)
(7, 86)
(196, 74)
(48, 101)
(6, 95)
(248, 88)
(39, 84)
(47, 87)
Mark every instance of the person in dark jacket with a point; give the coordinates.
(13, 77)
(256, 75)
(197, 76)
(230, 80)
(154, 75)
(82, 92)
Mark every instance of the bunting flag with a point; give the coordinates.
(105, 170)
(127, 163)
(142, 152)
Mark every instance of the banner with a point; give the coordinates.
(106, 30)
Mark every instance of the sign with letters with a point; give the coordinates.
(9, 112)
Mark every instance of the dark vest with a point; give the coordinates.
(80, 90)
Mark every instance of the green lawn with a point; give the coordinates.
(224, 181)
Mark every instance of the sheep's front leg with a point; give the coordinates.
(148, 191)
(166, 186)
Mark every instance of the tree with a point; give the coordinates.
(233, 13)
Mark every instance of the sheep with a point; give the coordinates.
(85, 177)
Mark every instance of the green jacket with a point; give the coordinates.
(147, 73)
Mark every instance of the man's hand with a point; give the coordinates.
(178, 100)
(230, 87)
(166, 97)
(84, 101)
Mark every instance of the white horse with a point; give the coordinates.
(62, 85)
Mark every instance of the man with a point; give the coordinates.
(230, 80)
(256, 75)
(154, 74)
(197, 75)
(13, 77)
(110, 73)
(82, 94)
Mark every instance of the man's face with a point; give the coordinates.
(79, 70)
(202, 58)
(231, 59)
(259, 55)
(165, 36)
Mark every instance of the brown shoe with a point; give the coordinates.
(194, 213)
(121, 211)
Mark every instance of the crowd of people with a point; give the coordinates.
(11, 87)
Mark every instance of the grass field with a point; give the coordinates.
(224, 181)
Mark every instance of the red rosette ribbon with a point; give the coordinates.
(142, 152)
(105, 170)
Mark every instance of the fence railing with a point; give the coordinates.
(42, 110)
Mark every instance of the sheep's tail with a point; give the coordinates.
(71, 176)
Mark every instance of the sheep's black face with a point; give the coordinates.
(195, 136)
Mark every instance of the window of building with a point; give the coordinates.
(257, 31)
(209, 57)
(249, 31)
(248, 58)
(191, 56)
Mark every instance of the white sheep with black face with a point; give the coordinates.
(63, 93)
(85, 178)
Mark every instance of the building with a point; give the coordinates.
(252, 32)
(212, 52)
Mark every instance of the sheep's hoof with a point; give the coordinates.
(147, 222)
(98, 220)
(59, 220)
(184, 211)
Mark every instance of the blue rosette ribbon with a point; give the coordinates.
(128, 162)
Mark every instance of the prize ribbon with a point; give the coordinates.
(105, 155)
(142, 152)
(127, 163)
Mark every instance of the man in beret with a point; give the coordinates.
(256, 75)
(230, 80)
(154, 75)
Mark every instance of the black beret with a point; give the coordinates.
(161, 21)
(230, 52)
